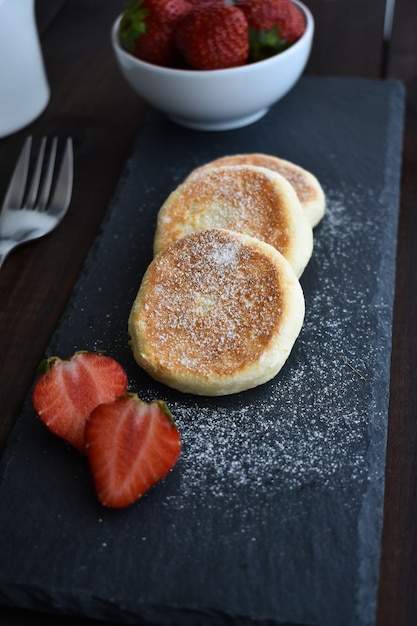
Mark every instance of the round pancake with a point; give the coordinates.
(217, 312)
(243, 198)
(308, 189)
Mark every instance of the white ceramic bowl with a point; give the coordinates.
(217, 99)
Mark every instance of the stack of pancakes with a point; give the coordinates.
(221, 306)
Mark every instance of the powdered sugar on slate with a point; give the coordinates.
(313, 418)
(312, 422)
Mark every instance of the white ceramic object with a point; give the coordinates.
(24, 89)
(217, 99)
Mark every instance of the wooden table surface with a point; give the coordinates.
(91, 102)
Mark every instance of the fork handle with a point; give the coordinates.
(5, 248)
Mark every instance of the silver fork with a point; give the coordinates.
(30, 212)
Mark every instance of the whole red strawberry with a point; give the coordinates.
(274, 25)
(131, 445)
(68, 390)
(213, 36)
(147, 29)
(294, 28)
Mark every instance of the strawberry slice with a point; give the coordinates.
(68, 390)
(131, 445)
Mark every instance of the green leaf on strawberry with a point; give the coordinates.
(132, 25)
(264, 44)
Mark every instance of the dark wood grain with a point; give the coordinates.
(402, 58)
(398, 575)
(348, 38)
(45, 12)
(91, 102)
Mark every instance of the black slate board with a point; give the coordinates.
(273, 514)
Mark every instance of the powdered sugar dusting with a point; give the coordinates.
(291, 444)
(310, 425)
(226, 254)
(302, 181)
(203, 306)
(241, 198)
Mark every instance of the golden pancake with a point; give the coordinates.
(308, 189)
(217, 312)
(244, 198)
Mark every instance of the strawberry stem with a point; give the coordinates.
(46, 364)
(132, 25)
(264, 44)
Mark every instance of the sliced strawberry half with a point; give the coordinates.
(68, 390)
(131, 445)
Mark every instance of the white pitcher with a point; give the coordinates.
(24, 89)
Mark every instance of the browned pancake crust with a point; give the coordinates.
(208, 309)
(246, 199)
(306, 185)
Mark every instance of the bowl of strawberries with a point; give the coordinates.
(210, 64)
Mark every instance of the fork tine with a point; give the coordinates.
(21, 224)
(47, 184)
(17, 185)
(34, 187)
(63, 189)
